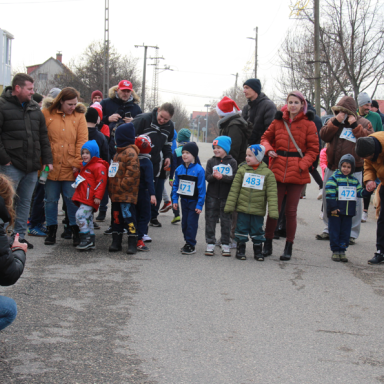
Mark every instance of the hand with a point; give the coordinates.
(74, 169)
(8, 164)
(340, 117)
(175, 205)
(272, 154)
(113, 118)
(198, 211)
(50, 166)
(370, 186)
(167, 163)
(17, 245)
(351, 119)
(97, 201)
(127, 119)
(335, 212)
(171, 183)
(217, 175)
(153, 200)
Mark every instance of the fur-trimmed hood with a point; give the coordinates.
(347, 105)
(112, 94)
(279, 115)
(48, 101)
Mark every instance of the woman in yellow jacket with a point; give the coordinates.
(67, 133)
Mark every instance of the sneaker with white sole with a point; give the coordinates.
(188, 249)
(210, 250)
(364, 217)
(225, 250)
(146, 239)
(320, 195)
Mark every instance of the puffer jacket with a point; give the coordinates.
(23, 134)
(67, 134)
(330, 133)
(287, 169)
(124, 187)
(375, 169)
(253, 201)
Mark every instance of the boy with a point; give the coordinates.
(252, 189)
(90, 186)
(342, 190)
(123, 187)
(189, 184)
(219, 173)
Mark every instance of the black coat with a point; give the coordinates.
(146, 174)
(101, 140)
(23, 134)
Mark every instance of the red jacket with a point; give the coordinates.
(95, 174)
(294, 170)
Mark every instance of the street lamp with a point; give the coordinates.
(206, 126)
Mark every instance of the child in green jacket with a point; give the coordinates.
(252, 189)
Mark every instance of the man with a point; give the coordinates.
(371, 149)
(375, 108)
(365, 103)
(96, 96)
(159, 127)
(260, 110)
(23, 142)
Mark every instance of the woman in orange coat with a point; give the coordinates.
(67, 133)
(290, 165)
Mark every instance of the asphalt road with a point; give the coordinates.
(163, 317)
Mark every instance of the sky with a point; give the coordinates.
(204, 42)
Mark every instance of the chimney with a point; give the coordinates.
(59, 57)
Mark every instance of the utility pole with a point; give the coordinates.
(206, 125)
(198, 128)
(155, 80)
(255, 38)
(106, 50)
(317, 56)
(235, 91)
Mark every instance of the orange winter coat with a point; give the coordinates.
(294, 170)
(67, 134)
(375, 169)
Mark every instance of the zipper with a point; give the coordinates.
(88, 191)
(346, 212)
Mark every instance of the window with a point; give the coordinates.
(43, 76)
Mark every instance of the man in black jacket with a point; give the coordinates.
(23, 143)
(159, 127)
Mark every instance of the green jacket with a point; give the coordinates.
(375, 120)
(253, 201)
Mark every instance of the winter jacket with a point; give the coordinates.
(239, 131)
(375, 120)
(219, 189)
(67, 134)
(323, 161)
(381, 117)
(178, 160)
(194, 172)
(23, 134)
(124, 187)
(146, 174)
(330, 133)
(161, 137)
(374, 169)
(316, 120)
(289, 167)
(253, 201)
(259, 113)
(101, 140)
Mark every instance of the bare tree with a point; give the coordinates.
(180, 117)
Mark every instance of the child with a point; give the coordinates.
(342, 189)
(90, 186)
(146, 190)
(123, 187)
(219, 173)
(252, 189)
(189, 183)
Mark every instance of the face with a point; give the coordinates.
(187, 157)
(346, 169)
(86, 156)
(24, 93)
(163, 117)
(219, 152)
(68, 106)
(364, 109)
(124, 94)
(250, 158)
(294, 105)
(97, 99)
(249, 93)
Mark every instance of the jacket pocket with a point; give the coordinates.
(71, 150)
(12, 144)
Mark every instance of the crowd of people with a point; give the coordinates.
(113, 152)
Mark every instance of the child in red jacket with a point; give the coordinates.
(90, 186)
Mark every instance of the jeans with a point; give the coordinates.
(24, 184)
(189, 220)
(8, 311)
(339, 231)
(52, 196)
(38, 212)
(159, 186)
(143, 213)
(104, 201)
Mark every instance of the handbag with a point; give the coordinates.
(293, 140)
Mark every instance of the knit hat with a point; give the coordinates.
(348, 159)
(92, 147)
(144, 143)
(363, 99)
(37, 97)
(125, 84)
(365, 146)
(258, 150)
(98, 108)
(192, 148)
(224, 142)
(183, 135)
(54, 92)
(96, 93)
(226, 107)
(301, 97)
(92, 115)
(375, 104)
(254, 84)
(125, 135)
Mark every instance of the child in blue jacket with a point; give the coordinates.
(342, 190)
(189, 185)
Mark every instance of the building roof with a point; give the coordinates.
(198, 113)
(32, 68)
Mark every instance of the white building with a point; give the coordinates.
(5, 58)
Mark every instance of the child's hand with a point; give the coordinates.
(335, 212)
(217, 175)
(198, 211)
(74, 169)
(17, 245)
(153, 199)
(175, 205)
(97, 201)
(171, 183)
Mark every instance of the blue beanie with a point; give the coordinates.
(192, 148)
(92, 147)
(224, 142)
(258, 150)
(183, 135)
(254, 84)
(125, 135)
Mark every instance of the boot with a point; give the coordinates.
(267, 250)
(240, 251)
(132, 245)
(67, 234)
(287, 254)
(85, 241)
(117, 238)
(51, 236)
(75, 235)
(257, 252)
(93, 240)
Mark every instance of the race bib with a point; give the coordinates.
(347, 193)
(224, 169)
(113, 168)
(254, 181)
(79, 180)
(186, 188)
(347, 134)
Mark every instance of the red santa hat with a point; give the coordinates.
(226, 107)
(144, 143)
(98, 108)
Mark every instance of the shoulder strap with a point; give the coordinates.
(293, 140)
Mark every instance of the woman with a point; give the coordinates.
(289, 162)
(67, 133)
(12, 260)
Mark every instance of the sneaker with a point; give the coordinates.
(95, 225)
(336, 257)
(352, 241)
(108, 231)
(154, 223)
(23, 241)
(101, 216)
(233, 245)
(36, 231)
(175, 220)
(322, 236)
(183, 247)
(141, 246)
(225, 250)
(343, 257)
(210, 250)
(146, 239)
(320, 195)
(364, 217)
(321, 216)
(61, 213)
(166, 207)
(188, 249)
(377, 259)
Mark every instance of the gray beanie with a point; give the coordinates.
(363, 99)
(365, 146)
(54, 92)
